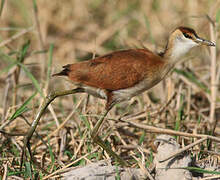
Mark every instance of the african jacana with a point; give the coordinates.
(120, 75)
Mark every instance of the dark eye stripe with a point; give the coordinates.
(187, 35)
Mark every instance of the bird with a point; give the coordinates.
(121, 75)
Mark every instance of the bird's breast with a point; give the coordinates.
(128, 93)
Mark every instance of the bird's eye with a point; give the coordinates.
(187, 35)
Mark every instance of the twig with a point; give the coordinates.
(168, 131)
(5, 98)
(168, 103)
(68, 165)
(16, 36)
(5, 171)
(82, 140)
(40, 38)
(143, 113)
(183, 149)
(12, 134)
(54, 115)
(211, 177)
(212, 119)
(16, 177)
(144, 170)
(207, 151)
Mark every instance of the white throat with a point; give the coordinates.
(180, 47)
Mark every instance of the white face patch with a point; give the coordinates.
(181, 46)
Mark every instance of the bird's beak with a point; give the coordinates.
(201, 41)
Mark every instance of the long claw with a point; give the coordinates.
(34, 124)
(101, 143)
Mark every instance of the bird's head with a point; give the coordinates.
(182, 39)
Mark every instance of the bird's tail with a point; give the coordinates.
(64, 72)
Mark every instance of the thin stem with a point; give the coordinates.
(212, 118)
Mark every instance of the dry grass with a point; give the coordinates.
(78, 29)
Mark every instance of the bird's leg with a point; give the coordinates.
(100, 142)
(42, 109)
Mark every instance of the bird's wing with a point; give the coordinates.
(114, 71)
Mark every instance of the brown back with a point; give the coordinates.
(117, 70)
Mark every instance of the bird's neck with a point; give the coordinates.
(176, 49)
(171, 56)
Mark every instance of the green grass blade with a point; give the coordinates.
(23, 107)
(52, 157)
(85, 121)
(149, 29)
(34, 81)
(218, 16)
(141, 140)
(39, 52)
(14, 173)
(50, 62)
(180, 114)
(27, 72)
(117, 177)
(1, 7)
(28, 171)
(24, 51)
(35, 5)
